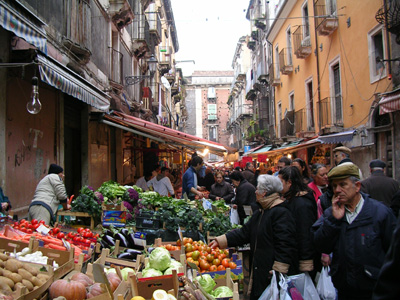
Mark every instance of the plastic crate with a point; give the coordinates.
(148, 220)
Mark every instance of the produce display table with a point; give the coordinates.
(63, 213)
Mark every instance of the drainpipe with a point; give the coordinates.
(387, 38)
(318, 75)
(270, 92)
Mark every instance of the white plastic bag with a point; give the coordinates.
(271, 292)
(234, 217)
(305, 286)
(283, 293)
(325, 287)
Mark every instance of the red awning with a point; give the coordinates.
(389, 102)
(167, 134)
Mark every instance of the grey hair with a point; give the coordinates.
(269, 184)
(354, 179)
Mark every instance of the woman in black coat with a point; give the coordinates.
(245, 194)
(271, 234)
(301, 202)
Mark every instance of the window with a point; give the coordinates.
(331, 7)
(310, 105)
(289, 46)
(291, 101)
(376, 48)
(306, 22)
(212, 133)
(279, 119)
(211, 93)
(212, 111)
(277, 74)
(337, 94)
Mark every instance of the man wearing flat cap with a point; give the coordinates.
(49, 194)
(379, 186)
(357, 230)
(341, 155)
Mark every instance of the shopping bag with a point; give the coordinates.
(325, 287)
(234, 217)
(305, 286)
(284, 291)
(271, 292)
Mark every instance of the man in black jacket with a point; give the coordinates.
(357, 230)
(249, 175)
(378, 185)
(221, 189)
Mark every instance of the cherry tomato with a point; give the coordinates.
(56, 230)
(60, 235)
(34, 221)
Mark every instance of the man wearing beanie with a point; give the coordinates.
(50, 192)
(357, 230)
(378, 185)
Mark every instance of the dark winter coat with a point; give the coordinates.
(250, 176)
(208, 181)
(304, 211)
(223, 190)
(245, 195)
(380, 187)
(358, 248)
(271, 234)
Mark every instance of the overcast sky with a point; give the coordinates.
(208, 31)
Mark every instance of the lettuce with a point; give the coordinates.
(222, 292)
(150, 272)
(160, 259)
(207, 282)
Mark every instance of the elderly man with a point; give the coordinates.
(341, 155)
(378, 185)
(357, 230)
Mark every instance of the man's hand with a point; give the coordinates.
(325, 260)
(69, 207)
(234, 206)
(337, 208)
(200, 194)
(217, 198)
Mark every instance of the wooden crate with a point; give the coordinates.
(174, 253)
(105, 258)
(62, 213)
(7, 245)
(227, 281)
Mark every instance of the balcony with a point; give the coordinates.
(244, 111)
(301, 42)
(300, 120)
(212, 117)
(165, 61)
(329, 108)
(287, 124)
(273, 79)
(285, 61)
(141, 38)
(254, 35)
(154, 25)
(251, 45)
(121, 13)
(326, 16)
(251, 95)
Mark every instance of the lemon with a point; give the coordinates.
(138, 298)
(171, 297)
(160, 295)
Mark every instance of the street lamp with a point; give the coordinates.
(152, 63)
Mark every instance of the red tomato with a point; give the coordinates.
(42, 222)
(29, 230)
(29, 226)
(56, 230)
(96, 236)
(80, 229)
(221, 268)
(232, 265)
(22, 221)
(34, 221)
(71, 235)
(16, 227)
(76, 238)
(36, 226)
(16, 224)
(60, 235)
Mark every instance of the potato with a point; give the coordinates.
(15, 262)
(38, 282)
(6, 273)
(2, 264)
(15, 277)
(30, 269)
(25, 275)
(43, 276)
(7, 281)
(3, 257)
(5, 288)
(11, 266)
(28, 284)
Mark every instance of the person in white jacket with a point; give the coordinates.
(161, 183)
(49, 194)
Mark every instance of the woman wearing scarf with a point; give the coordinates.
(271, 234)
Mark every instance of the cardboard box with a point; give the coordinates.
(145, 287)
(174, 253)
(227, 281)
(117, 218)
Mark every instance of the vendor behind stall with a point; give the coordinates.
(4, 202)
(50, 192)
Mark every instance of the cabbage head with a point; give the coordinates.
(175, 265)
(222, 292)
(150, 272)
(207, 282)
(160, 259)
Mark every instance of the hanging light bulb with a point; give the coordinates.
(34, 106)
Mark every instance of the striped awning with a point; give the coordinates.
(389, 102)
(12, 20)
(335, 138)
(72, 84)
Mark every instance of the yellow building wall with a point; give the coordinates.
(347, 43)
